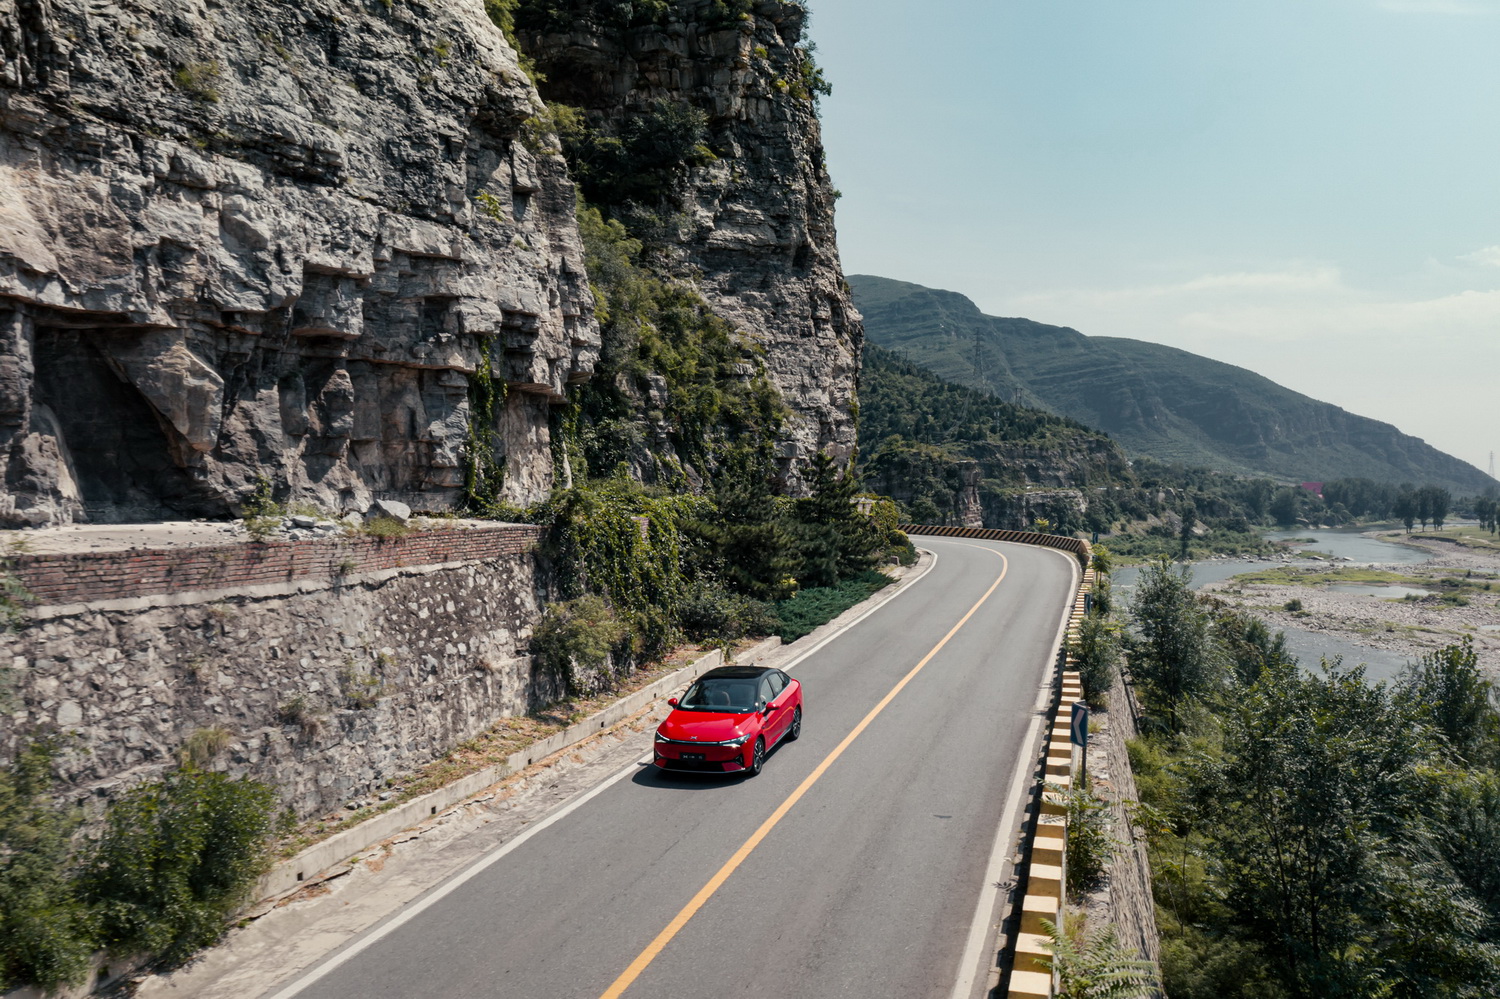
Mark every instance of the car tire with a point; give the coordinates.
(796, 729)
(757, 758)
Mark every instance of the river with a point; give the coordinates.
(1310, 647)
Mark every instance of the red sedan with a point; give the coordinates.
(729, 719)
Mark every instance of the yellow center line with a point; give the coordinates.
(630, 974)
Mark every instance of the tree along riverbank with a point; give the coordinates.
(1311, 834)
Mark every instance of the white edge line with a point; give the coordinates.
(989, 894)
(369, 937)
(445, 889)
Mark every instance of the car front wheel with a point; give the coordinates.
(757, 758)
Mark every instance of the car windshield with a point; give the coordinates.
(720, 694)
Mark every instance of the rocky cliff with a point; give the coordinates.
(273, 239)
(750, 219)
(332, 244)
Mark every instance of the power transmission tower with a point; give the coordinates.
(1492, 464)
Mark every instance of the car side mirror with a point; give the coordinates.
(766, 707)
(671, 702)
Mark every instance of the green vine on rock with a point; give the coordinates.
(14, 596)
(484, 457)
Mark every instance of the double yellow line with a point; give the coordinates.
(643, 961)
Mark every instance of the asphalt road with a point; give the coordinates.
(865, 886)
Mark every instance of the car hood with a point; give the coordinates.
(707, 726)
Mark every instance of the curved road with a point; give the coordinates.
(850, 867)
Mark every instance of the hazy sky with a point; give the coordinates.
(1309, 189)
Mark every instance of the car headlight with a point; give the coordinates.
(661, 738)
(733, 742)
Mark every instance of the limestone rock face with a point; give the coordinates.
(759, 228)
(273, 239)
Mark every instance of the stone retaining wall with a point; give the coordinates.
(329, 665)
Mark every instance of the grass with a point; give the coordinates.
(1470, 536)
(1304, 576)
(1453, 585)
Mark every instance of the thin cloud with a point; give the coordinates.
(1297, 279)
(1449, 7)
(1489, 256)
(1293, 280)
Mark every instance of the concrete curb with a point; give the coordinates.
(1044, 849)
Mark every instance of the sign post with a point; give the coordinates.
(1079, 735)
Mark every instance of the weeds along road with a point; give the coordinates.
(850, 867)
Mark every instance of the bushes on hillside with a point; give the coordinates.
(1313, 834)
(738, 560)
(176, 860)
(574, 640)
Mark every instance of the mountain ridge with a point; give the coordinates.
(1158, 401)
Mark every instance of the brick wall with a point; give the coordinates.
(95, 576)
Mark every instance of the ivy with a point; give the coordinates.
(14, 596)
(484, 457)
(617, 540)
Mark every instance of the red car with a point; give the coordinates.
(729, 719)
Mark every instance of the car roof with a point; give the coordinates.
(735, 672)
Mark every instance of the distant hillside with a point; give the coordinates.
(1157, 401)
(956, 455)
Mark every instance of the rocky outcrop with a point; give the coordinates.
(273, 240)
(756, 229)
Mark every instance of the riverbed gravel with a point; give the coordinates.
(1407, 627)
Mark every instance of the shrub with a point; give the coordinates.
(1097, 653)
(1294, 605)
(1089, 843)
(200, 79)
(261, 511)
(302, 712)
(1096, 965)
(177, 859)
(573, 642)
(203, 746)
(820, 604)
(1102, 599)
(362, 690)
(717, 615)
(46, 932)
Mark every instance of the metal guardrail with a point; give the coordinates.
(1074, 546)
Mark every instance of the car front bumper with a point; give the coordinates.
(711, 759)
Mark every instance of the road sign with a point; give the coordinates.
(1080, 727)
